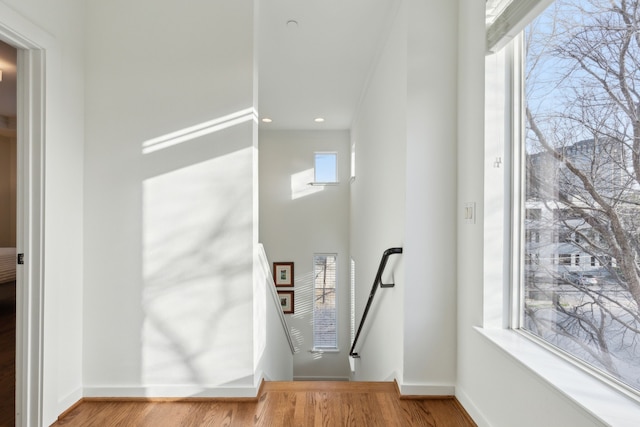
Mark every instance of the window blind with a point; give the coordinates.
(506, 18)
(325, 334)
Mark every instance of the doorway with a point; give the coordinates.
(8, 227)
(30, 46)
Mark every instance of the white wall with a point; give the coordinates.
(58, 27)
(429, 312)
(298, 220)
(273, 353)
(404, 195)
(378, 207)
(170, 227)
(495, 389)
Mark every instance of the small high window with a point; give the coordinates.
(326, 168)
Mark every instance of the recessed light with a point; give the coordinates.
(266, 120)
(318, 120)
(292, 24)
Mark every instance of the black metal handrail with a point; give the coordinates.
(376, 282)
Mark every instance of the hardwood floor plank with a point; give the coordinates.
(160, 414)
(355, 416)
(261, 415)
(296, 404)
(279, 409)
(301, 416)
(320, 406)
(215, 414)
(416, 411)
(287, 409)
(446, 411)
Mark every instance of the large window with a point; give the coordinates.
(581, 179)
(325, 332)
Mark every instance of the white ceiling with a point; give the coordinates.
(318, 68)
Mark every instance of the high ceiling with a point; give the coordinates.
(315, 57)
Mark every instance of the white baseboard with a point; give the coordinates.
(172, 392)
(426, 389)
(69, 400)
(321, 378)
(471, 409)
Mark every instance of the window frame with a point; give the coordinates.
(590, 394)
(315, 347)
(516, 201)
(516, 204)
(352, 162)
(315, 168)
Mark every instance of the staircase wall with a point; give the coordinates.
(298, 220)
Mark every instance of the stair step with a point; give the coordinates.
(332, 386)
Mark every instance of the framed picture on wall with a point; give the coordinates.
(286, 301)
(283, 273)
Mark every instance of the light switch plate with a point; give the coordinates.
(469, 212)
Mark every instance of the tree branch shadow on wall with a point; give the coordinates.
(197, 264)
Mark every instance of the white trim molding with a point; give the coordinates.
(30, 299)
(424, 389)
(316, 378)
(474, 412)
(172, 391)
(32, 43)
(512, 18)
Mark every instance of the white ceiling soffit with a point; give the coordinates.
(494, 8)
(315, 57)
(506, 18)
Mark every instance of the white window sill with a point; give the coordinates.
(605, 403)
(324, 350)
(323, 184)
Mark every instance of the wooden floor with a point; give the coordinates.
(7, 354)
(330, 404)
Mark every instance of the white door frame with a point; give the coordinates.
(32, 44)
